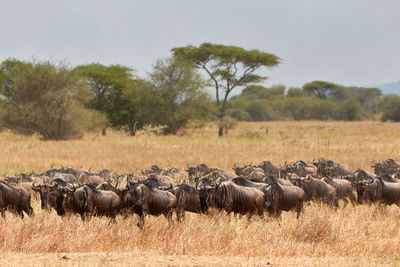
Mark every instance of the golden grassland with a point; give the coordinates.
(361, 235)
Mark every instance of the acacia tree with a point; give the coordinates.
(228, 67)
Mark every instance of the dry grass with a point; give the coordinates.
(359, 235)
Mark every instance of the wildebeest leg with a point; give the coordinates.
(20, 213)
(113, 215)
(299, 210)
(140, 223)
(180, 215)
(346, 202)
(352, 198)
(168, 215)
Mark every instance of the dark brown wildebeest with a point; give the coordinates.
(188, 199)
(247, 170)
(359, 179)
(388, 166)
(49, 192)
(234, 198)
(195, 172)
(143, 200)
(339, 170)
(344, 189)
(278, 197)
(87, 200)
(316, 189)
(322, 166)
(302, 169)
(15, 198)
(384, 192)
(152, 182)
(202, 183)
(271, 168)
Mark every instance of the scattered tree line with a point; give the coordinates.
(59, 102)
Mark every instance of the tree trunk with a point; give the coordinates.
(221, 131)
(133, 128)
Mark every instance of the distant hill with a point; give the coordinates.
(389, 88)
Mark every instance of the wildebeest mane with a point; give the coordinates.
(93, 187)
(242, 181)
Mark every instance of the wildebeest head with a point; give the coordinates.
(373, 189)
(203, 183)
(43, 190)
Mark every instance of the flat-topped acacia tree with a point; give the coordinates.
(228, 67)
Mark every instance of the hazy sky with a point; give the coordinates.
(351, 42)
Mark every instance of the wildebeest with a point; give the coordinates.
(359, 179)
(195, 172)
(234, 198)
(384, 192)
(247, 170)
(91, 201)
(19, 178)
(278, 197)
(344, 189)
(107, 174)
(107, 186)
(188, 199)
(339, 170)
(302, 169)
(48, 192)
(202, 183)
(323, 165)
(271, 168)
(85, 178)
(15, 198)
(316, 189)
(143, 200)
(388, 166)
(152, 182)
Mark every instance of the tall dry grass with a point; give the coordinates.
(321, 233)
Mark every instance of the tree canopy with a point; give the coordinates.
(47, 99)
(228, 67)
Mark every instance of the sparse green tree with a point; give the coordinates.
(178, 95)
(48, 99)
(391, 108)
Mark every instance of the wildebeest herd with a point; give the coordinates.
(251, 190)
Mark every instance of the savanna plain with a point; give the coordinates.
(359, 235)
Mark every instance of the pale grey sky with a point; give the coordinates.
(351, 42)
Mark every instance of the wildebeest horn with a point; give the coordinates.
(34, 186)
